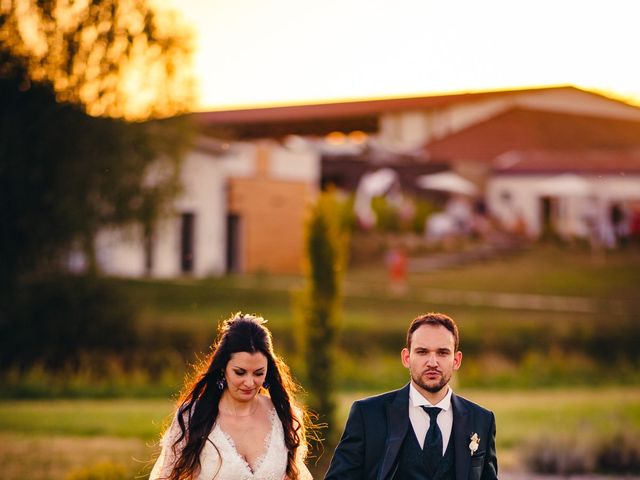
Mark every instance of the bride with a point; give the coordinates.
(237, 419)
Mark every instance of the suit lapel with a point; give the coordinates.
(397, 425)
(462, 433)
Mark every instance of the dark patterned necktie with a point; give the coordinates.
(432, 448)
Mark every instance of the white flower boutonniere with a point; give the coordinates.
(475, 441)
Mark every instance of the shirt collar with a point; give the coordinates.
(417, 400)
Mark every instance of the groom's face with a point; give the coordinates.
(431, 358)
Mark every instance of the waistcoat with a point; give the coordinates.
(411, 464)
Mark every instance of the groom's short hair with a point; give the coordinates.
(434, 318)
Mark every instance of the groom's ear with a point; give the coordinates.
(457, 360)
(404, 355)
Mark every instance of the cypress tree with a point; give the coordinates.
(320, 304)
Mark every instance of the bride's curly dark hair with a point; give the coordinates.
(200, 397)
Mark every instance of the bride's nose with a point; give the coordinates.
(250, 382)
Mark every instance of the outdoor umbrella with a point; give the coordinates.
(447, 182)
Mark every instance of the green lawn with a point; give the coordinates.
(45, 439)
(373, 319)
(546, 270)
(110, 418)
(541, 269)
(41, 437)
(511, 347)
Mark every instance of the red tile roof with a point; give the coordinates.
(616, 162)
(523, 130)
(353, 108)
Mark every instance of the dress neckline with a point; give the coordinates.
(266, 445)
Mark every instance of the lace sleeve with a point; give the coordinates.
(305, 474)
(164, 464)
(301, 453)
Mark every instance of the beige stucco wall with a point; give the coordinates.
(272, 216)
(272, 204)
(524, 192)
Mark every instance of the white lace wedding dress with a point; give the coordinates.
(226, 463)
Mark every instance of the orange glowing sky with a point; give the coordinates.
(265, 52)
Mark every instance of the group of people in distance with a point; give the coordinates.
(238, 418)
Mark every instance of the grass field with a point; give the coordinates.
(549, 286)
(610, 282)
(540, 269)
(43, 440)
(547, 270)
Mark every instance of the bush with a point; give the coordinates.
(36, 382)
(579, 453)
(100, 471)
(59, 321)
(387, 216)
(319, 304)
(382, 372)
(423, 210)
(619, 453)
(558, 455)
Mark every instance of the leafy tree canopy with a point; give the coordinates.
(114, 57)
(70, 163)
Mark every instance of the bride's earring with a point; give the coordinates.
(221, 383)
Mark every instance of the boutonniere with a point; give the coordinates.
(475, 441)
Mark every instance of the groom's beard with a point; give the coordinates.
(431, 386)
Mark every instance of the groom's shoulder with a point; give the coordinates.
(381, 398)
(468, 404)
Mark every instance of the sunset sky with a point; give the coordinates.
(265, 52)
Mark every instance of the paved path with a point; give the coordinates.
(517, 301)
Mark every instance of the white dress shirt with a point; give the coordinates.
(420, 419)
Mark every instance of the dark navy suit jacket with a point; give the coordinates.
(377, 426)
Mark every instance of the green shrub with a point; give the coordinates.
(423, 209)
(619, 453)
(36, 382)
(58, 321)
(583, 452)
(100, 471)
(559, 455)
(319, 304)
(372, 372)
(387, 216)
(345, 213)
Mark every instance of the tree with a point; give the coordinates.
(113, 57)
(74, 75)
(65, 174)
(325, 249)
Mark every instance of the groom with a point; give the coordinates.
(423, 431)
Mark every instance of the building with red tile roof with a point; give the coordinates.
(512, 144)
(522, 129)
